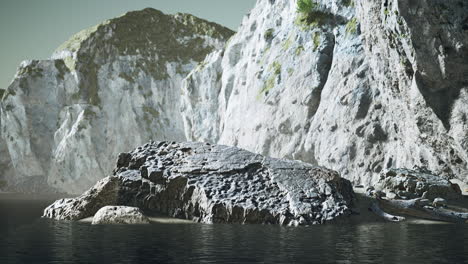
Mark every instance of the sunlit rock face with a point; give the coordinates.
(213, 184)
(361, 87)
(106, 90)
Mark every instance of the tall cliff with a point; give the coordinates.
(357, 86)
(106, 90)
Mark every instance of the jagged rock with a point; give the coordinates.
(119, 215)
(109, 88)
(216, 184)
(410, 184)
(105, 192)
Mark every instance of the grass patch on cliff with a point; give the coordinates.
(269, 84)
(287, 43)
(268, 35)
(299, 50)
(275, 69)
(316, 39)
(6, 93)
(309, 14)
(348, 3)
(352, 26)
(306, 6)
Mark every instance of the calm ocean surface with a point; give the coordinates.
(26, 238)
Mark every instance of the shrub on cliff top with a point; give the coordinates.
(309, 13)
(306, 6)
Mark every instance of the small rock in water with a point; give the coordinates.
(439, 202)
(120, 215)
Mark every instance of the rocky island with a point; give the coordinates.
(215, 184)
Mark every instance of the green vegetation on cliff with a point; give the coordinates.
(151, 37)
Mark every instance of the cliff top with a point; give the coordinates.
(133, 31)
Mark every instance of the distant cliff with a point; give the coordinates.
(106, 90)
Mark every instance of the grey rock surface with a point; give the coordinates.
(120, 215)
(215, 184)
(108, 89)
(104, 192)
(411, 184)
(369, 85)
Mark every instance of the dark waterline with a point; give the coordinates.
(25, 238)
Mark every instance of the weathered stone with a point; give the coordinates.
(373, 85)
(410, 184)
(105, 192)
(218, 184)
(119, 215)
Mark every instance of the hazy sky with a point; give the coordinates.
(33, 29)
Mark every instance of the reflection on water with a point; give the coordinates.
(24, 238)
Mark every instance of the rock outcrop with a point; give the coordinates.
(109, 88)
(410, 184)
(355, 86)
(120, 215)
(104, 192)
(215, 184)
(417, 194)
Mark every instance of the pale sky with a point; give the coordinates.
(33, 29)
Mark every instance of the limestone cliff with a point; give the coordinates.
(106, 90)
(356, 86)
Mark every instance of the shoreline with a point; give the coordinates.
(362, 214)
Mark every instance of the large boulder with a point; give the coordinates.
(216, 184)
(119, 215)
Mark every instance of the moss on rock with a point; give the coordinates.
(352, 26)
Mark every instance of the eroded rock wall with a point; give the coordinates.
(367, 85)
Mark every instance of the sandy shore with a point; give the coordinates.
(158, 220)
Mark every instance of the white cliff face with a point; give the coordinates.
(358, 87)
(106, 90)
(369, 85)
